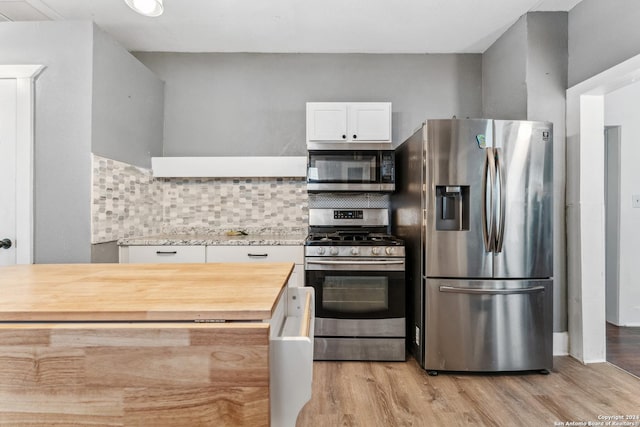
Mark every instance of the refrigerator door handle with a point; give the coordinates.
(488, 219)
(501, 200)
(477, 291)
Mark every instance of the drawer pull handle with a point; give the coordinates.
(257, 255)
(166, 252)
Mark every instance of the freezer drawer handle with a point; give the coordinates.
(455, 290)
(257, 255)
(166, 252)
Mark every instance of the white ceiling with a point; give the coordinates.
(337, 26)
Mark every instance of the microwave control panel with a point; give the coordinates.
(387, 166)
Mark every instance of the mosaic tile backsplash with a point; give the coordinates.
(227, 203)
(128, 202)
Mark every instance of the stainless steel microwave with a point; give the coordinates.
(351, 170)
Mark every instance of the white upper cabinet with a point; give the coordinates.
(350, 122)
(369, 121)
(326, 121)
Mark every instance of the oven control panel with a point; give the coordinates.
(348, 214)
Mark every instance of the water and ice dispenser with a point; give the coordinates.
(452, 207)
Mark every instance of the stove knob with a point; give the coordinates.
(389, 250)
(333, 251)
(375, 251)
(320, 251)
(355, 251)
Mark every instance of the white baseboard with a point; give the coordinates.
(587, 362)
(560, 343)
(620, 324)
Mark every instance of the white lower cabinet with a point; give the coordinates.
(262, 253)
(291, 355)
(218, 253)
(162, 254)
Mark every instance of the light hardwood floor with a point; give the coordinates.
(402, 394)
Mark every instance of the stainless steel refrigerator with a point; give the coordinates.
(473, 203)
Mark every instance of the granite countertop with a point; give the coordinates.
(296, 238)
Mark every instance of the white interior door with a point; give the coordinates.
(17, 133)
(8, 102)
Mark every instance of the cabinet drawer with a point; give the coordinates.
(162, 254)
(249, 253)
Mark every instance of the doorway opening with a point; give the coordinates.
(622, 321)
(586, 209)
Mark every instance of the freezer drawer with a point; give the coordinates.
(488, 326)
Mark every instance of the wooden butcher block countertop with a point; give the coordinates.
(141, 292)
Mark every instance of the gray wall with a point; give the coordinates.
(226, 104)
(547, 67)
(601, 35)
(546, 100)
(127, 105)
(105, 252)
(65, 130)
(504, 73)
(62, 132)
(525, 78)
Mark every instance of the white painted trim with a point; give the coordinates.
(25, 134)
(586, 286)
(20, 71)
(229, 167)
(560, 343)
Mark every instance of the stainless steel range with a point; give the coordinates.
(358, 272)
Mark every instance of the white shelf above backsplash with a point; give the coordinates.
(229, 167)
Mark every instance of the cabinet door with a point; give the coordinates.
(369, 121)
(326, 121)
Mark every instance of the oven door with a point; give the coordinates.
(350, 171)
(359, 288)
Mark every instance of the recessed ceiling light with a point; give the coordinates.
(146, 7)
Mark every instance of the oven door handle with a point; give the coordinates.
(356, 262)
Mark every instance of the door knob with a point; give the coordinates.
(5, 244)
